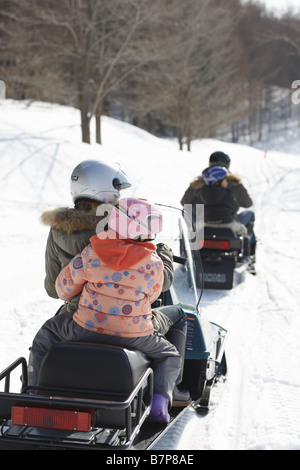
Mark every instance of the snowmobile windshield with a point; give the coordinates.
(175, 234)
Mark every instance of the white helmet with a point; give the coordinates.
(95, 179)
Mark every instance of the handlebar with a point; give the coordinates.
(180, 260)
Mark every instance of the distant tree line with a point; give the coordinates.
(180, 68)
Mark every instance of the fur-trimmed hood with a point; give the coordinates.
(70, 232)
(70, 220)
(198, 182)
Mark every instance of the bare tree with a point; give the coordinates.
(187, 88)
(87, 48)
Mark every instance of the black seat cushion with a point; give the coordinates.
(104, 370)
(219, 233)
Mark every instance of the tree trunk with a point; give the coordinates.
(85, 127)
(180, 140)
(98, 128)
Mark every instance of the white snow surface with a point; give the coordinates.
(258, 406)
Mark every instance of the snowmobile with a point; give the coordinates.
(222, 258)
(74, 408)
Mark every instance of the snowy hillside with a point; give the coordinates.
(258, 408)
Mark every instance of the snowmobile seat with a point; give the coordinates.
(219, 232)
(93, 371)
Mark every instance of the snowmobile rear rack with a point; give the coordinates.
(127, 415)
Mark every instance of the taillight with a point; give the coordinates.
(52, 418)
(215, 244)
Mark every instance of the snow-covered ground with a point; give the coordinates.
(258, 406)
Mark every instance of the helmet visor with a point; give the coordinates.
(120, 183)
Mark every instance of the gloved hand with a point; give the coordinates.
(164, 251)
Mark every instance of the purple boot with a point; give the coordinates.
(159, 410)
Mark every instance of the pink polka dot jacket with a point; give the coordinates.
(118, 280)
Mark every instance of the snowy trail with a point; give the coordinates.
(258, 406)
